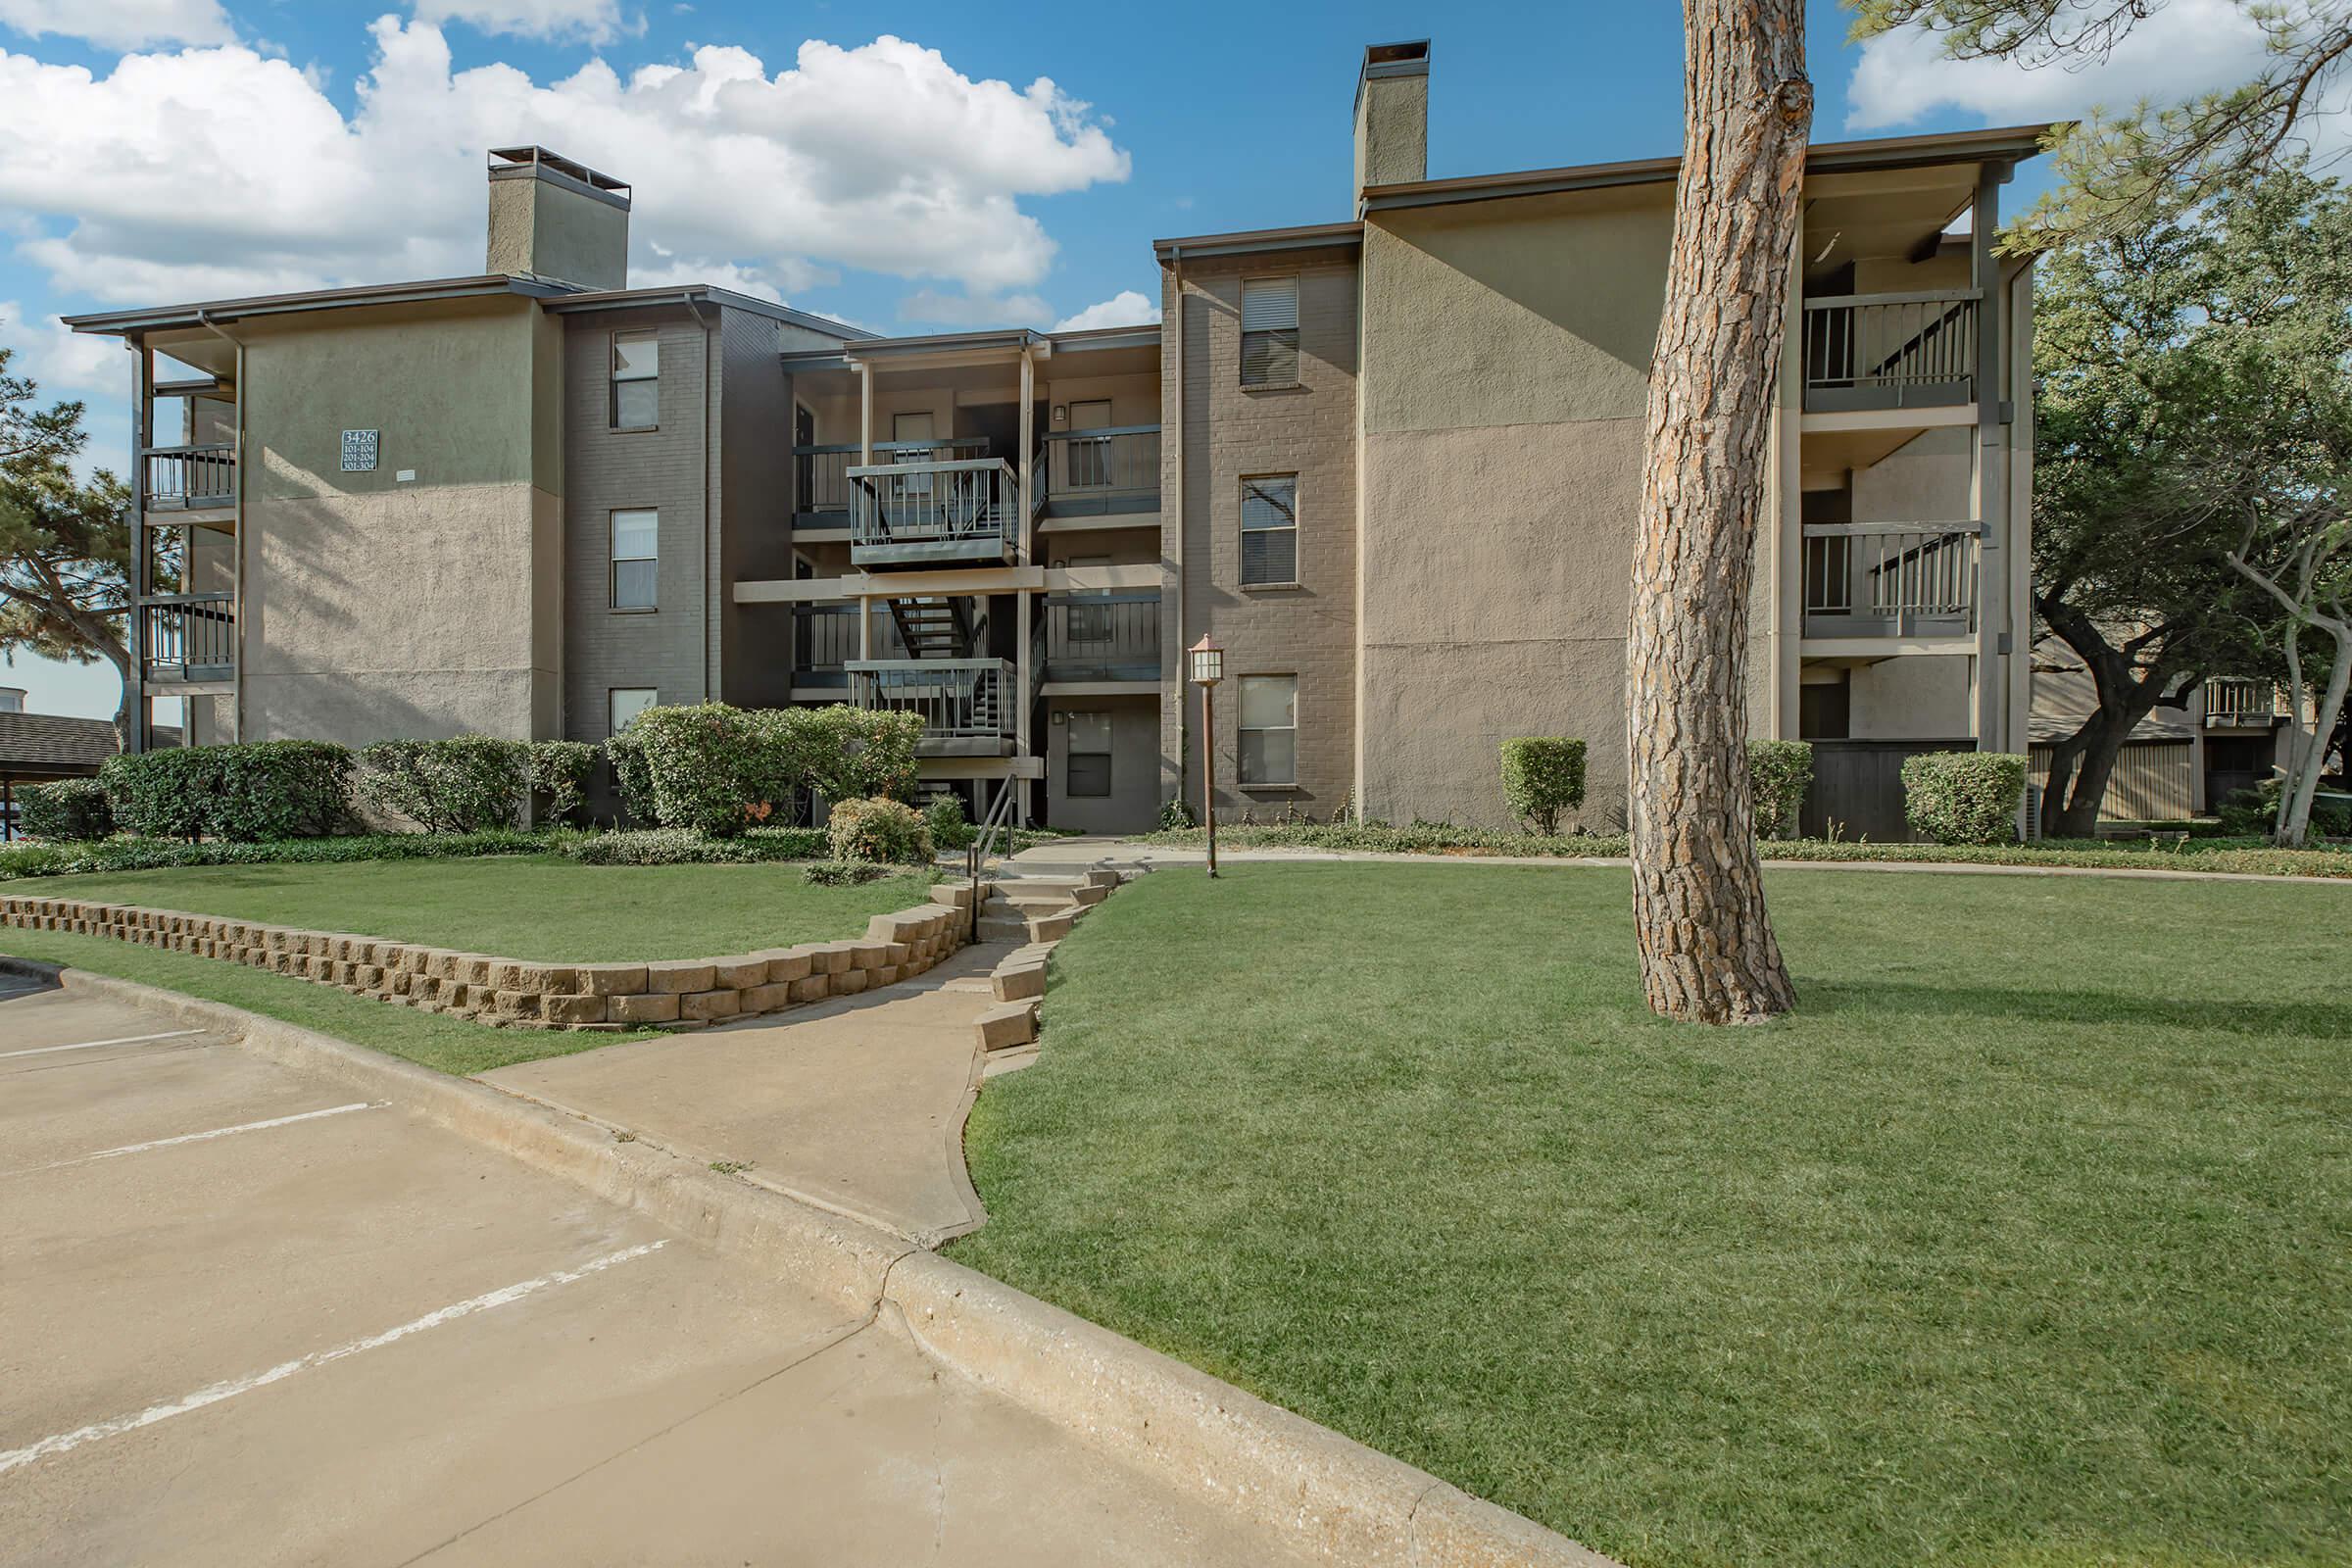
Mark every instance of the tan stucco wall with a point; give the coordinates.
(539, 228)
(1916, 697)
(375, 608)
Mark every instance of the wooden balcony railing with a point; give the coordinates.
(2239, 699)
(190, 636)
(1103, 636)
(821, 474)
(959, 699)
(191, 476)
(924, 512)
(1101, 472)
(1892, 351)
(1891, 579)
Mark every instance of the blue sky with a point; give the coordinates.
(918, 167)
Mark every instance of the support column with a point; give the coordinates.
(866, 413)
(1024, 692)
(142, 429)
(1995, 643)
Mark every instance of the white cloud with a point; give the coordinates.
(2185, 48)
(65, 362)
(217, 171)
(592, 21)
(974, 310)
(120, 23)
(1126, 308)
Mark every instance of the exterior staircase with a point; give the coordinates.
(1035, 909)
(933, 627)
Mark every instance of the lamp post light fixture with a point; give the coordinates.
(1208, 667)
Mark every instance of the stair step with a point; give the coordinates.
(1003, 928)
(1014, 1023)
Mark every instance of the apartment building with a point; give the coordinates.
(1391, 464)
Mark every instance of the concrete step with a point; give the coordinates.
(1012, 1024)
(1018, 980)
(1005, 928)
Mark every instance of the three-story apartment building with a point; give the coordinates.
(1391, 464)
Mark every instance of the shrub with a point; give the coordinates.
(1963, 796)
(878, 830)
(467, 784)
(249, 792)
(842, 873)
(2255, 812)
(1543, 776)
(712, 769)
(632, 779)
(1780, 774)
(677, 845)
(559, 773)
(1176, 815)
(848, 754)
(949, 828)
(72, 810)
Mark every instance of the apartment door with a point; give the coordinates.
(913, 428)
(803, 462)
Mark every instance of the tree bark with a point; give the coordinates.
(1707, 948)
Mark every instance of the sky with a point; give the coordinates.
(907, 167)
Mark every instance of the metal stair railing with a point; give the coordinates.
(976, 852)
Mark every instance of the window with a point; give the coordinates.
(624, 702)
(1086, 764)
(1269, 729)
(1269, 530)
(636, 380)
(636, 558)
(1270, 332)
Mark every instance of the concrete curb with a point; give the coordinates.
(1323, 1494)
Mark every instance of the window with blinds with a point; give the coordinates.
(1269, 730)
(1270, 531)
(1269, 332)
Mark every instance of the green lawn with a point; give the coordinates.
(541, 906)
(2028, 1242)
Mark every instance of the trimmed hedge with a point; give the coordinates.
(1543, 777)
(884, 832)
(560, 771)
(72, 810)
(1780, 774)
(248, 791)
(722, 770)
(1963, 796)
(842, 873)
(677, 845)
(149, 854)
(467, 784)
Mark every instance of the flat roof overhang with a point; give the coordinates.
(204, 313)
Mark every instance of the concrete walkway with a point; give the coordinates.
(855, 1106)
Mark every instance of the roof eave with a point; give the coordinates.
(152, 318)
(1248, 242)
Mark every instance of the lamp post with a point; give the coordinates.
(1208, 667)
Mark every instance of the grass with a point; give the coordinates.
(541, 906)
(431, 1039)
(2027, 1242)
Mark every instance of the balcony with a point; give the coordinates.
(966, 704)
(1099, 473)
(1891, 579)
(2233, 702)
(190, 637)
(1111, 636)
(1890, 351)
(191, 478)
(821, 491)
(961, 512)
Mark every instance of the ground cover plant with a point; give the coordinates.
(2028, 1248)
(542, 906)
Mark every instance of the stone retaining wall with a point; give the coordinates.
(515, 993)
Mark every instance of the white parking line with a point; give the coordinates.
(65, 1442)
(93, 1045)
(198, 1138)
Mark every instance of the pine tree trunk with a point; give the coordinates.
(1707, 948)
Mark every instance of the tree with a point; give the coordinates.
(64, 545)
(2120, 167)
(2303, 559)
(1707, 948)
(2185, 374)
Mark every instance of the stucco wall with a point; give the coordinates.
(541, 228)
(755, 419)
(1134, 800)
(376, 608)
(1919, 696)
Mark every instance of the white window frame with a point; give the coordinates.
(614, 558)
(616, 380)
(1241, 752)
(1291, 285)
(612, 697)
(1242, 574)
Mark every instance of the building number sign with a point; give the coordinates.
(359, 451)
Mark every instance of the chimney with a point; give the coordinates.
(556, 220)
(1392, 114)
(11, 699)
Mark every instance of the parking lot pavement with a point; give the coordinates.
(247, 1316)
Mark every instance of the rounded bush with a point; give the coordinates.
(1780, 776)
(467, 784)
(885, 832)
(72, 810)
(1543, 777)
(560, 771)
(1963, 796)
(950, 828)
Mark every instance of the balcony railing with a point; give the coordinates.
(924, 512)
(1891, 579)
(191, 636)
(1103, 472)
(1890, 351)
(184, 478)
(1102, 636)
(2237, 699)
(821, 475)
(961, 700)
